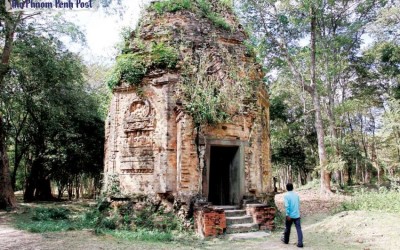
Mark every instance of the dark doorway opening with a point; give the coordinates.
(224, 179)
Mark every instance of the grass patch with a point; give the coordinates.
(142, 235)
(382, 200)
(57, 219)
(124, 222)
(43, 214)
(47, 226)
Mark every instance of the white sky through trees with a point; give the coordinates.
(103, 30)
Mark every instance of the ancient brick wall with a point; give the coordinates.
(209, 222)
(153, 144)
(262, 214)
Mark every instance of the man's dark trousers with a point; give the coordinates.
(298, 229)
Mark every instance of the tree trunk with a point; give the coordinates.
(319, 126)
(7, 197)
(38, 185)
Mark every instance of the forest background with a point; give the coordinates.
(332, 70)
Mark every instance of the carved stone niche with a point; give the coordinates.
(139, 123)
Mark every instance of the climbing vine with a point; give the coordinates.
(214, 90)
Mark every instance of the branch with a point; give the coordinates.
(29, 16)
(284, 50)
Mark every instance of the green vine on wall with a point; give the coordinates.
(211, 98)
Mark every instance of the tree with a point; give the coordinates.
(279, 24)
(334, 30)
(63, 123)
(13, 25)
(10, 22)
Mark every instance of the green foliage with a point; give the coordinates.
(53, 118)
(206, 103)
(280, 218)
(148, 219)
(206, 11)
(46, 226)
(383, 200)
(113, 185)
(171, 6)
(208, 98)
(130, 68)
(42, 214)
(126, 217)
(227, 3)
(143, 235)
(218, 21)
(123, 221)
(204, 6)
(48, 219)
(163, 56)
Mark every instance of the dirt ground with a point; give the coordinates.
(321, 228)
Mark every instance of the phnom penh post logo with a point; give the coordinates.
(39, 5)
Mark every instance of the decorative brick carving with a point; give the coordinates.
(138, 155)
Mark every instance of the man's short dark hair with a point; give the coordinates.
(289, 187)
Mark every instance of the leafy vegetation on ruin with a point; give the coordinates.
(211, 100)
(203, 6)
(172, 6)
(130, 68)
(163, 56)
(215, 18)
(52, 111)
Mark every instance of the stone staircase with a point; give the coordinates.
(237, 221)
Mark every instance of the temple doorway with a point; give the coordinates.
(224, 176)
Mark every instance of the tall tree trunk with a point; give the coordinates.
(319, 126)
(7, 197)
(38, 185)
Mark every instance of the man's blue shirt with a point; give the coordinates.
(292, 205)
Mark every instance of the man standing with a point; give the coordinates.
(292, 207)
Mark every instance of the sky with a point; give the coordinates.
(103, 30)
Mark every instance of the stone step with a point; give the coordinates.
(234, 213)
(242, 228)
(239, 220)
(226, 207)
